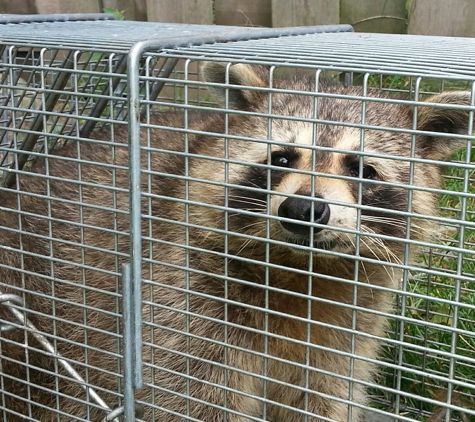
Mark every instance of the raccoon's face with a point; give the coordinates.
(325, 183)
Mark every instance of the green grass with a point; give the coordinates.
(446, 303)
(406, 84)
(432, 318)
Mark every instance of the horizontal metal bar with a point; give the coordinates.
(56, 17)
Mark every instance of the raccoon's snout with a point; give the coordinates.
(300, 209)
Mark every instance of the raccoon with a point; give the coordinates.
(271, 231)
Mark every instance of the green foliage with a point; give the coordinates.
(438, 332)
(441, 322)
(119, 14)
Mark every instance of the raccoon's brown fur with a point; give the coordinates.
(264, 317)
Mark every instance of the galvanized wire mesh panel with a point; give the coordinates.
(431, 353)
(279, 217)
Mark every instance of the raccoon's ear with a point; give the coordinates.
(239, 74)
(444, 120)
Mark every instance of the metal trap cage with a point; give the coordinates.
(156, 264)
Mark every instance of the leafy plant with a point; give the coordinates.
(119, 14)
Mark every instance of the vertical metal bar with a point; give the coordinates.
(129, 349)
(464, 207)
(265, 363)
(158, 86)
(187, 242)
(308, 337)
(135, 203)
(406, 260)
(357, 262)
(348, 78)
(227, 107)
(132, 275)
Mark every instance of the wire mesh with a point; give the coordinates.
(238, 325)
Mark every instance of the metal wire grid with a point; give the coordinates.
(55, 95)
(424, 315)
(63, 93)
(44, 88)
(119, 36)
(358, 52)
(104, 45)
(420, 315)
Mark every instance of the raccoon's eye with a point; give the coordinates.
(368, 171)
(280, 159)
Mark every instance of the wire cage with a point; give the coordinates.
(227, 224)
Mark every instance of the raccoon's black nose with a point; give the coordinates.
(300, 209)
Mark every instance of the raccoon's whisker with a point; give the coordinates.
(363, 238)
(366, 240)
(390, 255)
(420, 229)
(250, 204)
(363, 267)
(395, 223)
(350, 239)
(247, 203)
(251, 183)
(369, 243)
(388, 221)
(256, 223)
(242, 229)
(244, 246)
(245, 198)
(379, 219)
(384, 249)
(225, 217)
(381, 247)
(256, 210)
(379, 243)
